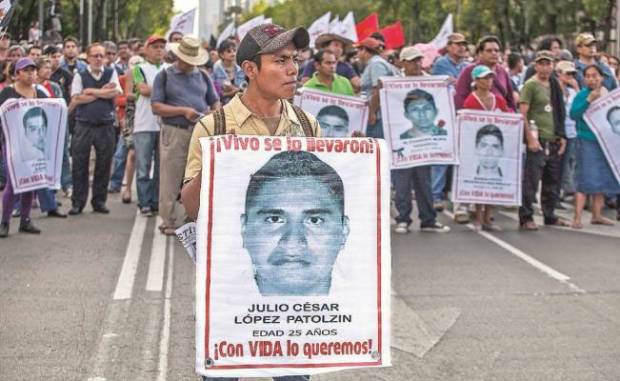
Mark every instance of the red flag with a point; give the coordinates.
(367, 26)
(394, 35)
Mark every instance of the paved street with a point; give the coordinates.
(466, 306)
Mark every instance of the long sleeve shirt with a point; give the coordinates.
(579, 107)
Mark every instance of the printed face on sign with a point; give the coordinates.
(489, 149)
(35, 134)
(294, 224)
(421, 111)
(334, 122)
(613, 117)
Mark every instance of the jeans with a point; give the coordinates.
(147, 152)
(438, 175)
(66, 180)
(283, 378)
(118, 164)
(47, 200)
(375, 130)
(9, 199)
(568, 166)
(546, 167)
(418, 179)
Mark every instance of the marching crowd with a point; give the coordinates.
(136, 103)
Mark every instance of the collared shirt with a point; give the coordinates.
(342, 68)
(240, 119)
(377, 67)
(446, 66)
(609, 80)
(220, 77)
(194, 89)
(76, 86)
(340, 85)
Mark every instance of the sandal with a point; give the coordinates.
(529, 226)
(559, 222)
(602, 221)
(576, 225)
(167, 230)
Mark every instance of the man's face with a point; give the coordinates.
(614, 122)
(45, 71)
(70, 50)
(293, 231)
(544, 68)
(55, 60)
(229, 54)
(34, 54)
(412, 67)
(110, 56)
(14, 55)
(489, 149)
(4, 48)
(333, 126)
(27, 75)
(123, 52)
(96, 57)
(156, 51)
(422, 114)
(457, 50)
(327, 67)
(489, 55)
(277, 77)
(337, 47)
(556, 49)
(213, 56)
(36, 131)
(587, 51)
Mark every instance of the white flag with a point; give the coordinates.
(441, 39)
(5, 7)
(183, 22)
(318, 27)
(227, 32)
(244, 28)
(268, 21)
(347, 27)
(334, 25)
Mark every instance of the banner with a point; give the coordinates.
(447, 28)
(603, 118)
(244, 28)
(227, 32)
(183, 22)
(338, 115)
(334, 26)
(34, 130)
(418, 120)
(319, 27)
(490, 156)
(293, 256)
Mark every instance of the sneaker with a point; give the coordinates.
(435, 228)
(401, 228)
(146, 211)
(461, 217)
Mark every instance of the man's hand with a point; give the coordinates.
(358, 134)
(562, 147)
(372, 119)
(533, 145)
(108, 86)
(190, 114)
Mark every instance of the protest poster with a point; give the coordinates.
(603, 118)
(293, 256)
(418, 120)
(339, 115)
(34, 130)
(490, 157)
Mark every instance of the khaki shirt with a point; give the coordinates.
(243, 122)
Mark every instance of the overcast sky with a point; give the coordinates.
(185, 5)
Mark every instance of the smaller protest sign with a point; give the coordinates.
(603, 118)
(187, 236)
(490, 156)
(339, 115)
(34, 130)
(418, 120)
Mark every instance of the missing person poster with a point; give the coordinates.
(34, 131)
(418, 120)
(490, 156)
(293, 256)
(603, 118)
(339, 115)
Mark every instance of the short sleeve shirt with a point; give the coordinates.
(240, 119)
(340, 85)
(377, 67)
(538, 97)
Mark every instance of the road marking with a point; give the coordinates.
(155, 278)
(525, 257)
(124, 286)
(162, 370)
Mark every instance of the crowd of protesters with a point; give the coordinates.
(135, 103)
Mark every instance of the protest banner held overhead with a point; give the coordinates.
(293, 256)
(339, 115)
(34, 130)
(418, 114)
(490, 157)
(603, 118)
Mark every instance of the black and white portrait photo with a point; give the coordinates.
(421, 110)
(334, 121)
(34, 139)
(489, 150)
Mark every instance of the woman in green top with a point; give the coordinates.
(594, 175)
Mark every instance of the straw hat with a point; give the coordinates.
(190, 51)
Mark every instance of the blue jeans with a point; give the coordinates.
(47, 200)
(283, 378)
(146, 145)
(66, 180)
(375, 130)
(438, 175)
(418, 179)
(118, 165)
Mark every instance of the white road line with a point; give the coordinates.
(525, 257)
(155, 278)
(124, 286)
(162, 370)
